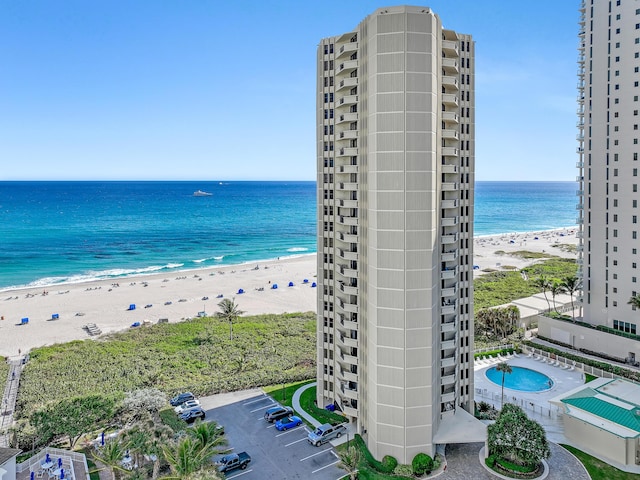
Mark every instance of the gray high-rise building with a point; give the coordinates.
(395, 153)
(608, 119)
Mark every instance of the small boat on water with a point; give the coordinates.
(200, 193)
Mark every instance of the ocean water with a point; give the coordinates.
(67, 232)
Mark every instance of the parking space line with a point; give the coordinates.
(326, 466)
(264, 397)
(262, 408)
(238, 474)
(297, 441)
(271, 425)
(289, 431)
(315, 454)
(335, 454)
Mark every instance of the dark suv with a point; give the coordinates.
(181, 398)
(191, 416)
(276, 413)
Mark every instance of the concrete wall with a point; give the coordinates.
(589, 338)
(8, 470)
(591, 438)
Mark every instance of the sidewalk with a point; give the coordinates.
(9, 399)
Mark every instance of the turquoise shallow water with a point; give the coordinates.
(57, 232)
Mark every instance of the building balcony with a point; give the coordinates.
(450, 83)
(347, 255)
(449, 273)
(580, 164)
(347, 49)
(449, 256)
(450, 65)
(347, 375)
(450, 134)
(350, 393)
(449, 327)
(347, 152)
(579, 179)
(449, 238)
(447, 362)
(449, 187)
(348, 237)
(348, 289)
(347, 359)
(448, 380)
(347, 169)
(349, 83)
(349, 411)
(347, 100)
(345, 220)
(449, 151)
(348, 341)
(346, 306)
(448, 344)
(579, 221)
(449, 169)
(348, 186)
(449, 204)
(448, 292)
(579, 193)
(348, 203)
(450, 99)
(450, 117)
(450, 48)
(347, 272)
(346, 323)
(449, 221)
(578, 234)
(348, 134)
(347, 66)
(448, 309)
(448, 397)
(580, 137)
(579, 206)
(347, 117)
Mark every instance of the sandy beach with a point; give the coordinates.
(182, 295)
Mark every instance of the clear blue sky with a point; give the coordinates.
(225, 90)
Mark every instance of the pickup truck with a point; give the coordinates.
(233, 461)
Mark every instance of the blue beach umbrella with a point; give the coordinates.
(33, 474)
(59, 462)
(61, 474)
(47, 458)
(102, 439)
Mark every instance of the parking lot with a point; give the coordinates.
(274, 455)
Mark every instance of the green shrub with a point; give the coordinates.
(403, 470)
(490, 461)
(389, 464)
(421, 464)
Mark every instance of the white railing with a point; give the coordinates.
(33, 463)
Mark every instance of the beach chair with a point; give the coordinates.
(571, 368)
(515, 354)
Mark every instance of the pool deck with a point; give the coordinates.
(535, 404)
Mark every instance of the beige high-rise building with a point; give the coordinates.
(395, 149)
(608, 106)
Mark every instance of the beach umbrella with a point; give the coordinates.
(60, 462)
(61, 474)
(33, 474)
(102, 439)
(47, 458)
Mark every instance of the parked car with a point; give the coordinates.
(324, 433)
(193, 414)
(276, 413)
(233, 461)
(288, 422)
(189, 404)
(181, 398)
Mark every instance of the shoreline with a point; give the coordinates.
(161, 270)
(179, 295)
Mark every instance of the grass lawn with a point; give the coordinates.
(284, 393)
(308, 404)
(589, 378)
(599, 470)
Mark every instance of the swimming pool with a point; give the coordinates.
(523, 379)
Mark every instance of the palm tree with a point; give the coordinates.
(111, 455)
(137, 440)
(208, 435)
(634, 302)
(229, 311)
(556, 289)
(185, 457)
(349, 461)
(543, 284)
(503, 367)
(571, 285)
